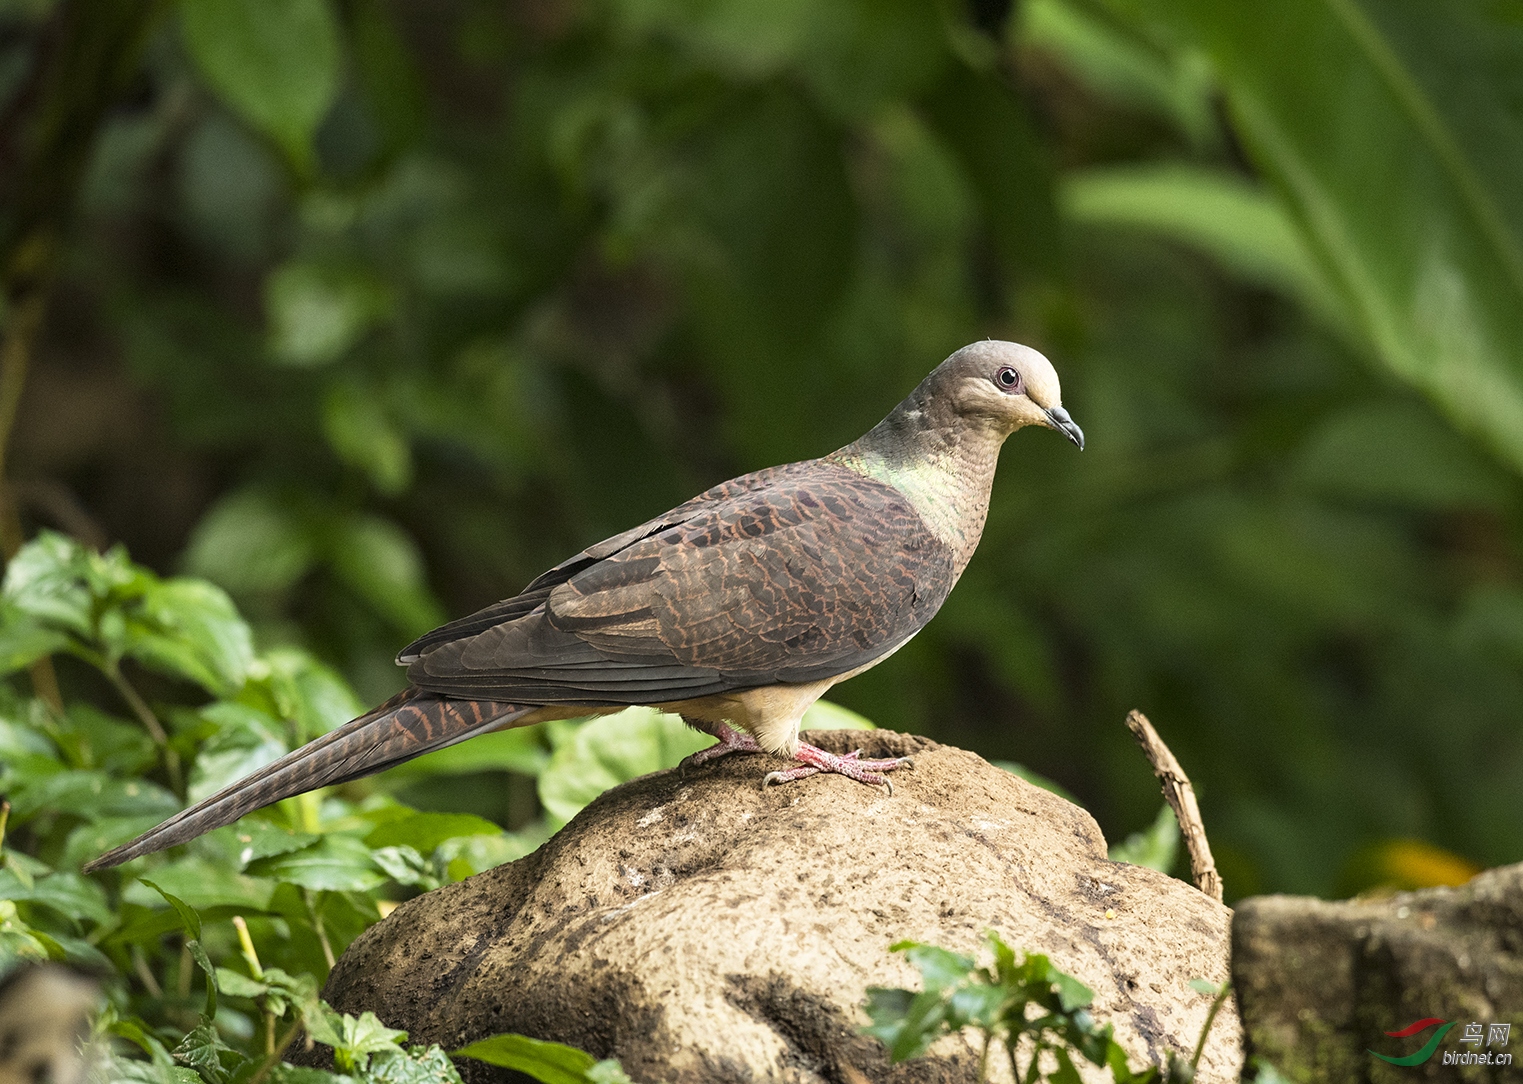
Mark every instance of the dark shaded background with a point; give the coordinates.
(372, 325)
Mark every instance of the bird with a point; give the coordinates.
(735, 610)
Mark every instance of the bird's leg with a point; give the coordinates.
(730, 741)
(814, 759)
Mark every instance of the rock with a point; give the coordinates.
(701, 929)
(1319, 984)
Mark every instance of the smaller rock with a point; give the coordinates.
(1320, 984)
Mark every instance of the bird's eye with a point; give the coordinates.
(1008, 379)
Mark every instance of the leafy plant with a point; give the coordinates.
(1020, 1003)
(299, 880)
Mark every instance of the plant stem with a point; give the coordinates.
(246, 943)
(5, 816)
(318, 927)
(187, 965)
(1200, 1047)
(150, 723)
(273, 1057)
(140, 965)
(983, 1058)
(1180, 795)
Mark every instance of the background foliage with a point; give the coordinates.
(368, 311)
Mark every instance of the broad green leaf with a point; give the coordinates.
(91, 794)
(23, 641)
(407, 867)
(1072, 994)
(204, 885)
(1122, 65)
(1240, 224)
(251, 541)
(191, 629)
(335, 863)
(47, 580)
(382, 565)
(363, 433)
(547, 1062)
(1155, 847)
(274, 62)
(1389, 131)
(245, 741)
(317, 313)
(68, 894)
(188, 917)
(307, 692)
(201, 1050)
(254, 840)
(353, 1038)
(419, 1065)
(939, 968)
(425, 831)
(609, 750)
(236, 984)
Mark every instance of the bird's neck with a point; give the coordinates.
(944, 467)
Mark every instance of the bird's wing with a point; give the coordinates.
(793, 575)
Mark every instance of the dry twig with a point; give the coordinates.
(1180, 795)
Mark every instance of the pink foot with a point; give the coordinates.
(730, 741)
(813, 759)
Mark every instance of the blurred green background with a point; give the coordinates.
(370, 310)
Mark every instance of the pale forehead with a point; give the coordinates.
(1041, 378)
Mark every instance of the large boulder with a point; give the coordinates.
(1320, 984)
(701, 928)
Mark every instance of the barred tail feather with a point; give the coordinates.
(408, 725)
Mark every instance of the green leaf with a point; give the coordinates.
(425, 831)
(1242, 225)
(251, 541)
(939, 968)
(274, 62)
(547, 1062)
(254, 840)
(68, 894)
(353, 1038)
(336, 863)
(245, 741)
(307, 692)
(1155, 847)
(47, 580)
(191, 629)
(419, 1065)
(90, 794)
(23, 641)
(203, 885)
(236, 984)
(406, 866)
(1399, 454)
(1389, 132)
(609, 750)
(1072, 994)
(201, 1050)
(362, 432)
(188, 917)
(382, 565)
(318, 313)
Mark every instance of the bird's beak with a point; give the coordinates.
(1058, 418)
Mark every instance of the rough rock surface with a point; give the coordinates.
(1319, 984)
(703, 929)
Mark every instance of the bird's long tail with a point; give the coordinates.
(408, 725)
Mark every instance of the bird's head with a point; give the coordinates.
(1005, 385)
